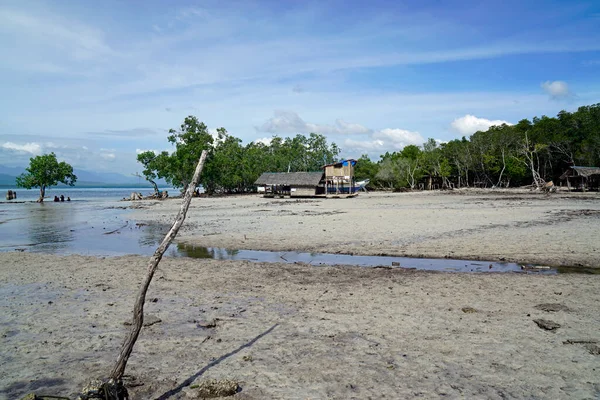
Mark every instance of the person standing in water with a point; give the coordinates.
(62, 197)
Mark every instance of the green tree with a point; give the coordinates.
(154, 166)
(45, 171)
(189, 141)
(366, 169)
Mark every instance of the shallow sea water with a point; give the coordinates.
(98, 226)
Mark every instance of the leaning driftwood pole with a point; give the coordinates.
(138, 309)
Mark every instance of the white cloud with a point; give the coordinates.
(359, 138)
(76, 40)
(399, 137)
(290, 122)
(470, 124)
(556, 89)
(108, 156)
(266, 140)
(388, 139)
(32, 148)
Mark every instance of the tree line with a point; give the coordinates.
(530, 152)
(230, 166)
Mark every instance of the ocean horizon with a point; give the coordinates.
(97, 193)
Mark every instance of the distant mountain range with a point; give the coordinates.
(84, 178)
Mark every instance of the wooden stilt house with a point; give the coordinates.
(336, 179)
(339, 178)
(582, 178)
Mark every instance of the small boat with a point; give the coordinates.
(360, 185)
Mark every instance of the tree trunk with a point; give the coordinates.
(42, 193)
(138, 309)
(156, 191)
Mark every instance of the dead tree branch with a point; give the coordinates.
(138, 309)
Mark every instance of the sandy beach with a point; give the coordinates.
(511, 225)
(293, 331)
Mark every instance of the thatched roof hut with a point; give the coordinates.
(585, 172)
(290, 178)
(583, 177)
(293, 184)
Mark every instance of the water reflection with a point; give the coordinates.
(187, 250)
(50, 226)
(431, 264)
(94, 229)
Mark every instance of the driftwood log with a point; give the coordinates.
(113, 388)
(138, 309)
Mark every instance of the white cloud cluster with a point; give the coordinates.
(32, 148)
(470, 124)
(359, 139)
(382, 141)
(556, 89)
(265, 140)
(290, 122)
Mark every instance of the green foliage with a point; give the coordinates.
(45, 171)
(366, 169)
(507, 155)
(232, 167)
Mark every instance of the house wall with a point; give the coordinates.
(347, 170)
(302, 191)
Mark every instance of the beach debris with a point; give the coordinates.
(552, 307)
(395, 263)
(100, 389)
(580, 341)
(468, 310)
(215, 388)
(547, 324)
(135, 196)
(589, 344)
(549, 187)
(592, 348)
(208, 325)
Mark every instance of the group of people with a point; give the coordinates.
(62, 198)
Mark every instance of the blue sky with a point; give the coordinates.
(96, 82)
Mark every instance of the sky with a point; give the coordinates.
(98, 81)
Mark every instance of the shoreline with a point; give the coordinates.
(471, 224)
(295, 331)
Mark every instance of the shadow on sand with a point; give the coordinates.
(192, 378)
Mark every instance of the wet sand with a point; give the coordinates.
(503, 225)
(297, 332)
(300, 332)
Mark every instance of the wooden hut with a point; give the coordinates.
(583, 178)
(293, 184)
(339, 178)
